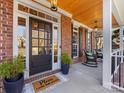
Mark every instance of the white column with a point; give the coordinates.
(121, 38)
(121, 43)
(107, 44)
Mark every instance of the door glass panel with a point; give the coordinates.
(41, 42)
(34, 33)
(47, 43)
(46, 35)
(48, 51)
(41, 51)
(74, 50)
(41, 34)
(55, 59)
(55, 44)
(41, 38)
(34, 51)
(21, 36)
(75, 37)
(35, 42)
(34, 25)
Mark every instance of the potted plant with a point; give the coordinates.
(65, 63)
(12, 73)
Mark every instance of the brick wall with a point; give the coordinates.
(6, 23)
(66, 34)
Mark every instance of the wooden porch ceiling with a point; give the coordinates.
(85, 11)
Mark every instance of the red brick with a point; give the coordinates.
(66, 34)
(93, 43)
(6, 30)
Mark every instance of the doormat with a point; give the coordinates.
(45, 83)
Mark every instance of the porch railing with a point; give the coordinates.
(117, 64)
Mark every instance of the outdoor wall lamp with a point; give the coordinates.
(54, 5)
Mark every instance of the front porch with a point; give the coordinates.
(81, 78)
(29, 28)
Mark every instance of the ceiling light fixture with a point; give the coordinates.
(96, 25)
(54, 5)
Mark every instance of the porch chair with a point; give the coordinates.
(91, 58)
(99, 54)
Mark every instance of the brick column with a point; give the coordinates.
(66, 34)
(6, 31)
(84, 42)
(84, 38)
(93, 41)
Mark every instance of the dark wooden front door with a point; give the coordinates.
(40, 44)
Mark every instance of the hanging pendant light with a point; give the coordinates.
(54, 5)
(96, 25)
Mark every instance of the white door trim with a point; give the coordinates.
(57, 65)
(17, 13)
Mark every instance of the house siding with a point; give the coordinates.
(6, 31)
(66, 34)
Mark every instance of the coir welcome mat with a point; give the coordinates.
(45, 83)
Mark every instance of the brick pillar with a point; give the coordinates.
(84, 38)
(93, 41)
(66, 34)
(83, 42)
(6, 31)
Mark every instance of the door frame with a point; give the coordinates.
(58, 64)
(17, 13)
(15, 42)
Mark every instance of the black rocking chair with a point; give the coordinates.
(99, 53)
(91, 58)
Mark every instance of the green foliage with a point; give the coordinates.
(11, 68)
(66, 59)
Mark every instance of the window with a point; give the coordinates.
(41, 38)
(21, 36)
(55, 44)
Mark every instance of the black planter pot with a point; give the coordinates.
(14, 85)
(65, 68)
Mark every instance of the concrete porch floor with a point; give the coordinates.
(82, 79)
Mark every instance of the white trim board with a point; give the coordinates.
(78, 24)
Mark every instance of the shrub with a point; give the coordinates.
(11, 68)
(66, 59)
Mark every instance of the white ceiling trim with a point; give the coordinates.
(78, 24)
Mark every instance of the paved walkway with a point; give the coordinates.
(82, 79)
